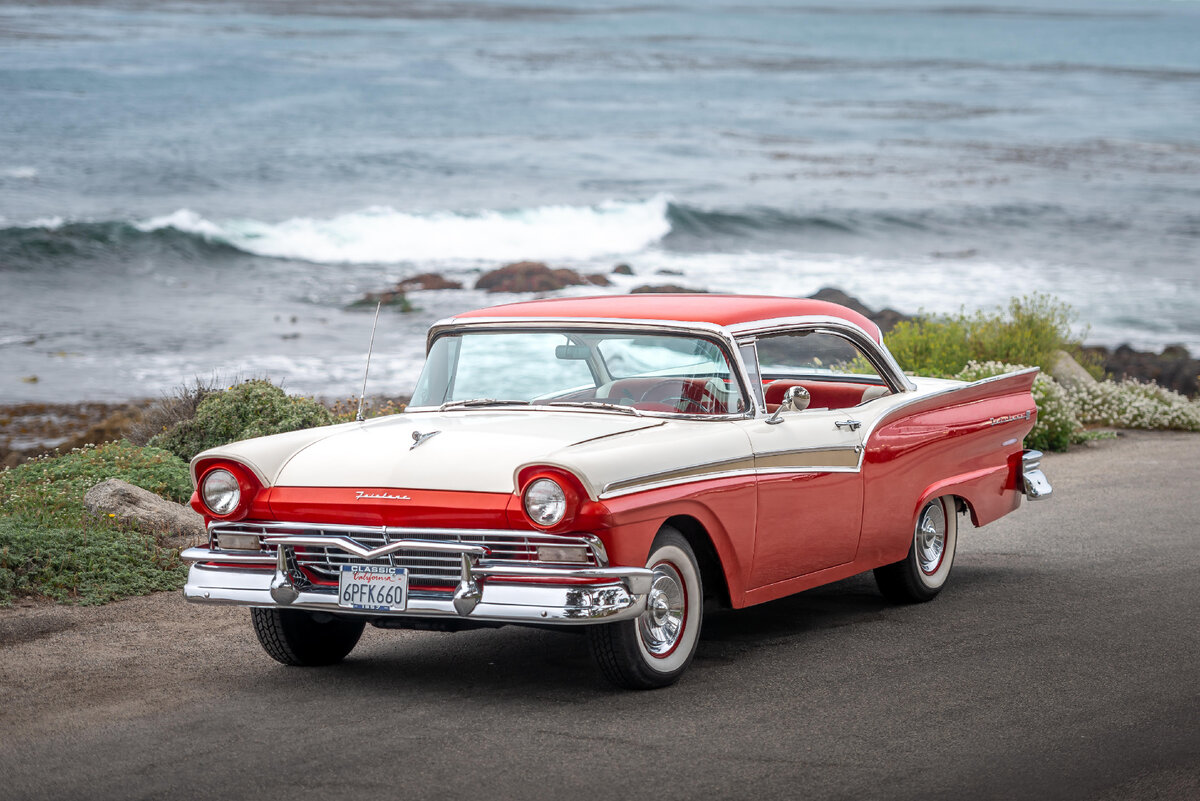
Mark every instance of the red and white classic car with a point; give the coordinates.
(615, 463)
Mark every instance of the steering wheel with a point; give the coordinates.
(661, 392)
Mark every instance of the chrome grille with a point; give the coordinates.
(426, 568)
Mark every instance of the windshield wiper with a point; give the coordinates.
(598, 405)
(482, 402)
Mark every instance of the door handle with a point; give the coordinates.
(853, 425)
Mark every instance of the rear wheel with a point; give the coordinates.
(305, 639)
(920, 575)
(655, 649)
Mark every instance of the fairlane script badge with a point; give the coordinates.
(379, 496)
(1012, 418)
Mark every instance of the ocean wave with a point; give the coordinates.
(57, 243)
(578, 234)
(382, 235)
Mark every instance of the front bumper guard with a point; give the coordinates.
(545, 594)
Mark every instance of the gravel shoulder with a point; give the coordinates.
(1061, 662)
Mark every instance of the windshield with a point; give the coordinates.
(645, 372)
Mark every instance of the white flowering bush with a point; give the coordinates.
(1132, 404)
(1057, 425)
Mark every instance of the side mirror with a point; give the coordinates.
(796, 399)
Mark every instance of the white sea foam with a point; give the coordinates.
(383, 235)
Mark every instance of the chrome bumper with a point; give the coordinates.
(1033, 480)
(621, 597)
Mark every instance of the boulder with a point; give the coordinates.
(165, 519)
(622, 269)
(428, 281)
(666, 289)
(598, 279)
(1069, 372)
(528, 276)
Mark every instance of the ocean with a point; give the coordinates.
(198, 189)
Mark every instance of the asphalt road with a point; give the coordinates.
(1062, 661)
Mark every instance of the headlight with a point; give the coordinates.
(545, 502)
(220, 492)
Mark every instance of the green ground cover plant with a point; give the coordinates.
(50, 546)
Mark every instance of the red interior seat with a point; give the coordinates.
(825, 394)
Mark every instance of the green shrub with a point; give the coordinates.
(932, 347)
(51, 547)
(1132, 404)
(1057, 426)
(250, 409)
(1030, 331)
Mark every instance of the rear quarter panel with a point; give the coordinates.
(963, 440)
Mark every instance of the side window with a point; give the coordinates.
(834, 370)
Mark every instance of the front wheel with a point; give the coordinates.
(921, 574)
(654, 649)
(305, 639)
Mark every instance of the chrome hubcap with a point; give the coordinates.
(930, 539)
(662, 624)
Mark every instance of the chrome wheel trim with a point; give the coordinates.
(929, 540)
(662, 626)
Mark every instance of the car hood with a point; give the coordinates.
(476, 450)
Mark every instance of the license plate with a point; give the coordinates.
(378, 587)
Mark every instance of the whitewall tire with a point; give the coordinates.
(655, 649)
(923, 572)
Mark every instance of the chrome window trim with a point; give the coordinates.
(878, 354)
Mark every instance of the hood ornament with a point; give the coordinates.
(418, 437)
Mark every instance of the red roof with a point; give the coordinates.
(724, 310)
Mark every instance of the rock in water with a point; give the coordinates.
(528, 276)
(427, 281)
(666, 289)
(165, 519)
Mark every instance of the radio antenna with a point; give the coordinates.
(363, 397)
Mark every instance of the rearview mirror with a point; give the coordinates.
(572, 352)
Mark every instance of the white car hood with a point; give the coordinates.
(476, 450)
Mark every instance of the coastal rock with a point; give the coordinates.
(598, 279)
(666, 289)
(886, 319)
(428, 281)
(389, 298)
(1174, 368)
(622, 269)
(528, 276)
(165, 519)
(1069, 372)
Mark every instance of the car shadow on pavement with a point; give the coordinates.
(555, 665)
